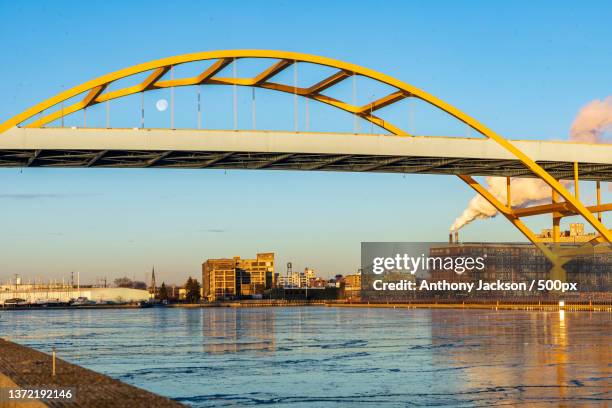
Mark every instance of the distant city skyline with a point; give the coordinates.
(525, 75)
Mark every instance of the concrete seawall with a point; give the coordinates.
(499, 306)
(411, 305)
(25, 368)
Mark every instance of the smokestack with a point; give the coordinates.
(457, 237)
(450, 238)
(591, 124)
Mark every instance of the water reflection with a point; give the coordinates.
(560, 354)
(233, 330)
(526, 358)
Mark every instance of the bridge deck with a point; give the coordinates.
(164, 148)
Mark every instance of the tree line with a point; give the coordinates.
(192, 289)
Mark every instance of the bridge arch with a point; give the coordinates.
(96, 92)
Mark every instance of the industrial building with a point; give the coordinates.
(230, 278)
(523, 262)
(575, 234)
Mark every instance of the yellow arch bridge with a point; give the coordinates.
(26, 141)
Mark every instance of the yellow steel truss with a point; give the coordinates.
(95, 93)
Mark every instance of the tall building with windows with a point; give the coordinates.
(235, 277)
(260, 270)
(352, 286)
(353, 282)
(218, 279)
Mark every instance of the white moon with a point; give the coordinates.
(161, 105)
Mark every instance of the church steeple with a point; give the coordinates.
(153, 284)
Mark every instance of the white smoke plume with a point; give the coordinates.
(593, 121)
(590, 126)
(523, 192)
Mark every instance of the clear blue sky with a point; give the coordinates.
(523, 68)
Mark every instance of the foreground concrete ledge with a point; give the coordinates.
(29, 368)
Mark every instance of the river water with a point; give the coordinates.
(336, 357)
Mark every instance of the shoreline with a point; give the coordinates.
(23, 367)
(439, 305)
(489, 306)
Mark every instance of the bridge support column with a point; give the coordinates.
(556, 218)
(598, 188)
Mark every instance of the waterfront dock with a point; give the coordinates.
(594, 307)
(25, 368)
(494, 306)
(542, 306)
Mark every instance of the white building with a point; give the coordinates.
(60, 293)
(297, 279)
